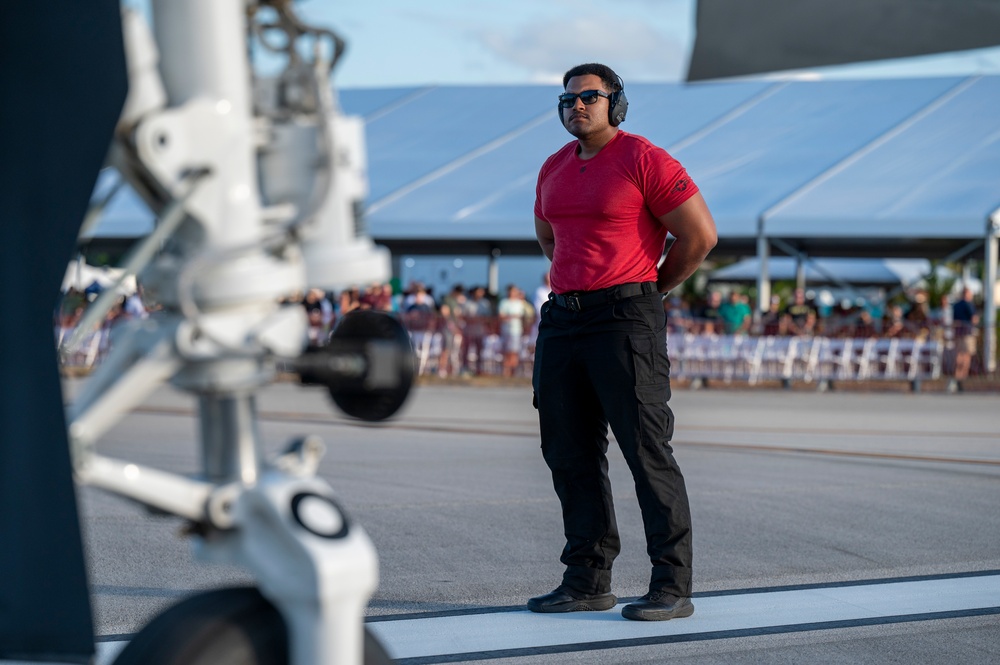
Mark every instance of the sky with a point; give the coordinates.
(395, 42)
(473, 42)
(404, 43)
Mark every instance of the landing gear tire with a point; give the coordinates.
(359, 400)
(367, 365)
(233, 626)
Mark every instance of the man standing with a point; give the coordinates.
(452, 322)
(513, 310)
(965, 320)
(604, 204)
(478, 317)
(799, 315)
(736, 314)
(708, 314)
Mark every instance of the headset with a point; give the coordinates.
(617, 106)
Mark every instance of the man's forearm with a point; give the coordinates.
(694, 233)
(682, 260)
(546, 238)
(548, 248)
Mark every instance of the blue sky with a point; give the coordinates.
(404, 43)
(395, 42)
(474, 42)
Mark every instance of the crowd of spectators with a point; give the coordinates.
(910, 315)
(469, 325)
(953, 323)
(459, 324)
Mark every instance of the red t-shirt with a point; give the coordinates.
(603, 211)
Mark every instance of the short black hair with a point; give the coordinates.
(606, 74)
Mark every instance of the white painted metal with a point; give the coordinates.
(165, 491)
(140, 361)
(321, 585)
(146, 93)
(203, 62)
(229, 254)
(337, 250)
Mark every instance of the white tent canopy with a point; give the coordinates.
(886, 272)
(80, 275)
(893, 168)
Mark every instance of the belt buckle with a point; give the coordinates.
(573, 303)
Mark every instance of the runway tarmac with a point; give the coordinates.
(836, 527)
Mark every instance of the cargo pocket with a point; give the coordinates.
(652, 389)
(656, 420)
(650, 360)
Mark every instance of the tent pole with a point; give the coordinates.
(800, 272)
(805, 258)
(397, 268)
(989, 293)
(493, 281)
(954, 256)
(763, 278)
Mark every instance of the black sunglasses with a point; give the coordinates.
(567, 100)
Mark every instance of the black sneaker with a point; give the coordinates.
(658, 606)
(565, 599)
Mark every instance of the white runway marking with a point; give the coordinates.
(435, 639)
(480, 636)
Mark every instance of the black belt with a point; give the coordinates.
(577, 301)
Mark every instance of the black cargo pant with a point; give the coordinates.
(599, 366)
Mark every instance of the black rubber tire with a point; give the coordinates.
(376, 404)
(232, 626)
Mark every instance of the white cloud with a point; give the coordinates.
(629, 46)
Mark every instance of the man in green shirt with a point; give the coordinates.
(736, 315)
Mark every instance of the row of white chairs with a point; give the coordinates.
(803, 359)
(744, 358)
(429, 346)
(729, 358)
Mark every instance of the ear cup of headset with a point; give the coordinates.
(617, 108)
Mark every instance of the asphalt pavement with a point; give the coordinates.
(791, 492)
